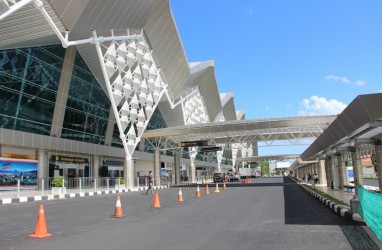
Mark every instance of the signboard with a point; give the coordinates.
(187, 144)
(210, 149)
(12, 170)
(69, 159)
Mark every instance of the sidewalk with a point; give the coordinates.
(32, 196)
(342, 195)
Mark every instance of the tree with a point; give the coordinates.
(264, 165)
(374, 163)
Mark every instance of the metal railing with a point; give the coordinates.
(46, 186)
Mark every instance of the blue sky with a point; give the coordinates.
(286, 58)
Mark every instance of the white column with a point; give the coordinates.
(193, 153)
(43, 166)
(328, 172)
(335, 173)
(321, 172)
(157, 167)
(357, 167)
(95, 166)
(128, 172)
(219, 169)
(341, 170)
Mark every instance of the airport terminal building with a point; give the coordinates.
(81, 81)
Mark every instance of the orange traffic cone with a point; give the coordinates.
(40, 230)
(168, 185)
(197, 192)
(224, 186)
(207, 191)
(217, 188)
(180, 196)
(118, 208)
(156, 203)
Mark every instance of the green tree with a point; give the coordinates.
(264, 164)
(374, 163)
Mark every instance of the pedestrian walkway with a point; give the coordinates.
(342, 195)
(32, 196)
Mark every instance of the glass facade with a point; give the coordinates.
(29, 80)
(87, 108)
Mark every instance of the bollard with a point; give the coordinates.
(42, 187)
(80, 184)
(18, 188)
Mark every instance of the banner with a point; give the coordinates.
(12, 170)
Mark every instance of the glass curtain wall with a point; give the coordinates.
(87, 108)
(29, 80)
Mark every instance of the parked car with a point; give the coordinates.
(231, 177)
(218, 177)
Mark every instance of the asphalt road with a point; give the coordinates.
(272, 213)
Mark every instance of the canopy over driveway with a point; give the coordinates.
(246, 131)
(360, 123)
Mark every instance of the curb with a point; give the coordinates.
(339, 209)
(25, 199)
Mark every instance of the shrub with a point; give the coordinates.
(57, 182)
(120, 181)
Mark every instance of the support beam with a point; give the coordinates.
(63, 92)
(157, 167)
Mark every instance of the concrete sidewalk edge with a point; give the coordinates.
(24, 199)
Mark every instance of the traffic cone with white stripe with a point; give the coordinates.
(118, 208)
(40, 230)
(180, 196)
(197, 192)
(224, 186)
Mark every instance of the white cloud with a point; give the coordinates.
(344, 79)
(337, 78)
(267, 108)
(321, 106)
(360, 83)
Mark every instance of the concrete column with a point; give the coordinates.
(177, 166)
(357, 166)
(335, 173)
(95, 166)
(341, 170)
(358, 177)
(63, 91)
(378, 155)
(193, 153)
(322, 172)
(157, 167)
(218, 168)
(128, 172)
(110, 127)
(43, 167)
(328, 172)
